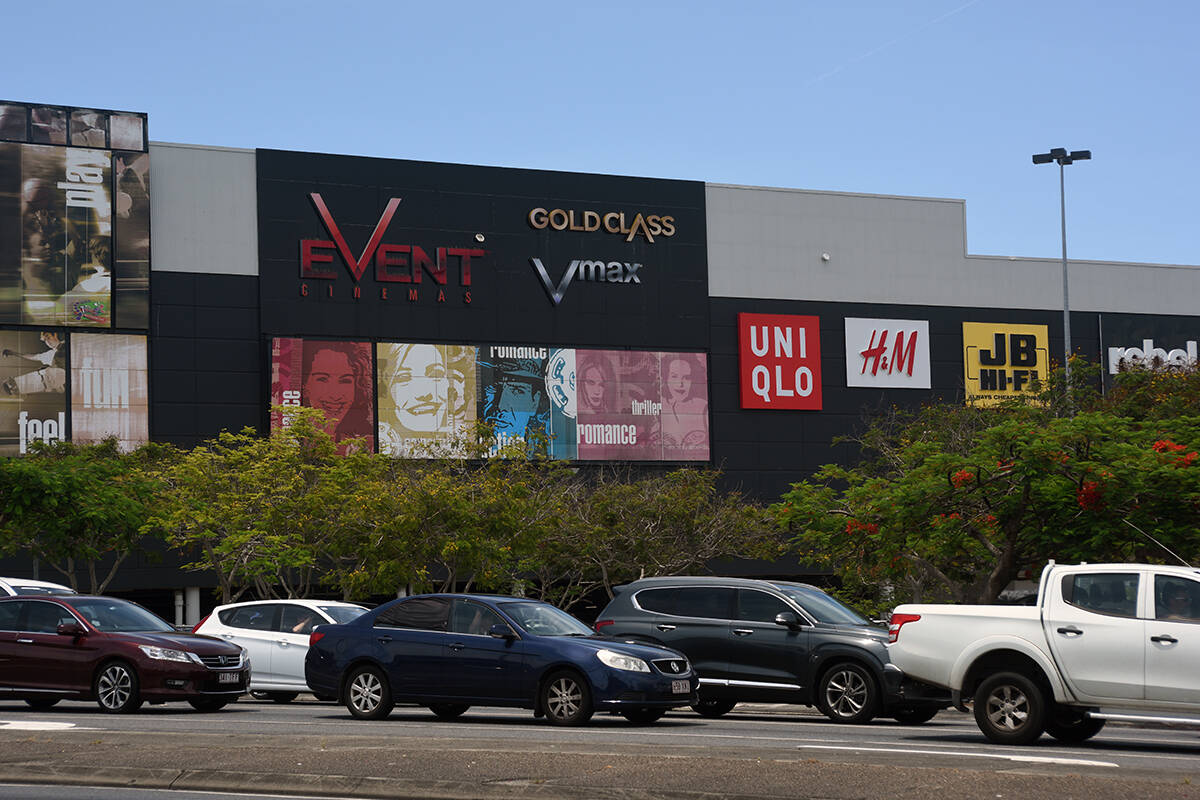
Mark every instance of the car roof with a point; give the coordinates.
(11, 582)
(299, 601)
(701, 580)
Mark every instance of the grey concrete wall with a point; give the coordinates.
(769, 243)
(204, 212)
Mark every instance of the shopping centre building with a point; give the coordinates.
(170, 291)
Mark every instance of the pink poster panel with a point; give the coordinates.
(334, 377)
(684, 415)
(618, 405)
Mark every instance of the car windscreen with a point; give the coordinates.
(822, 607)
(24, 588)
(541, 619)
(342, 614)
(117, 616)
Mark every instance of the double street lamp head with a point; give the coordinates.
(1061, 157)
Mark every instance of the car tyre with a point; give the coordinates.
(914, 715)
(643, 716)
(368, 695)
(1070, 726)
(208, 704)
(1010, 708)
(282, 697)
(712, 707)
(117, 689)
(42, 703)
(566, 699)
(847, 694)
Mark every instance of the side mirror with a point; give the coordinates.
(501, 631)
(788, 619)
(71, 629)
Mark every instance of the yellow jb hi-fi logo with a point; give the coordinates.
(1002, 361)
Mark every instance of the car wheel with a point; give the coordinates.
(208, 703)
(712, 707)
(1010, 709)
(846, 693)
(914, 715)
(449, 710)
(259, 694)
(282, 697)
(368, 695)
(42, 702)
(325, 698)
(643, 716)
(1072, 727)
(116, 688)
(566, 699)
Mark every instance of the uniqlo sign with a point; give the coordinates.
(780, 361)
(887, 352)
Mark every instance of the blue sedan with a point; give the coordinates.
(453, 651)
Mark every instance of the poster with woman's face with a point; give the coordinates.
(426, 398)
(333, 377)
(684, 414)
(618, 406)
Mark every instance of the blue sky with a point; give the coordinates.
(936, 98)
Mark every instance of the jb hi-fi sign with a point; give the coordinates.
(1001, 361)
(779, 358)
(388, 270)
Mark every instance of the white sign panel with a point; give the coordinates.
(887, 353)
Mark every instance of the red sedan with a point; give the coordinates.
(76, 647)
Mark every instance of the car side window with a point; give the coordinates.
(253, 618)
(756, 606)
(10, 613)
(298, 619)
(46, 617)
(709, 602)
(1113, 593)
(473, 618)
(1176, 599)
(419, 613)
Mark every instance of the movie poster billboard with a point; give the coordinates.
(110, 389)
(524, 395)
(131, 225)
(426, 398)
(684, 414)
(33, 382)
(331, 376)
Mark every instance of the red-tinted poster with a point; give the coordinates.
(779, 357)
(334, 377)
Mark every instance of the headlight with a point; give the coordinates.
(622, 661)
(164, 654)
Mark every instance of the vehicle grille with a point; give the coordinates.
(672, 666)
(222, 662)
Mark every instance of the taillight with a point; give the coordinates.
(898, 622)
(601, 623)
(201, 622)
(315, 637)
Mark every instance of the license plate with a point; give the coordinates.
(234, 677)
(680, 687)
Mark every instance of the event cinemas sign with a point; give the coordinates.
(396, 269)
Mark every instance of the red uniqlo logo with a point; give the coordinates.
(780, 361)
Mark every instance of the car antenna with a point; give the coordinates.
(1157, 542)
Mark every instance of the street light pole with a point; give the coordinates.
(1061, 157)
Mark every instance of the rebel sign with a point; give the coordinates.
(779, 357)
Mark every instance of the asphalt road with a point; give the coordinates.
(316, 749)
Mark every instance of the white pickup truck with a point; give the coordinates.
(1104, 642)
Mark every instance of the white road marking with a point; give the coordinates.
(36, 725)
(1079, 762)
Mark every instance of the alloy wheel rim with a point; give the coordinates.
(114, 687)
(846, 693)
(1008, 708)
(366, 693)
(565, 698)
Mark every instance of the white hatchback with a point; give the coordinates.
(275, 634)
(12, 586)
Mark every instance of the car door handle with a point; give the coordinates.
(1163, 639)
(742, 631)
(457, 647)
(1070, 630)
(226, 635)
(383, 639)
(665, 627)
(282, 642)
(24, 641)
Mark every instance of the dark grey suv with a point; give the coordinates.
(771, 642)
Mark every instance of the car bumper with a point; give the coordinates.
(641, 690)
(158, 683)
